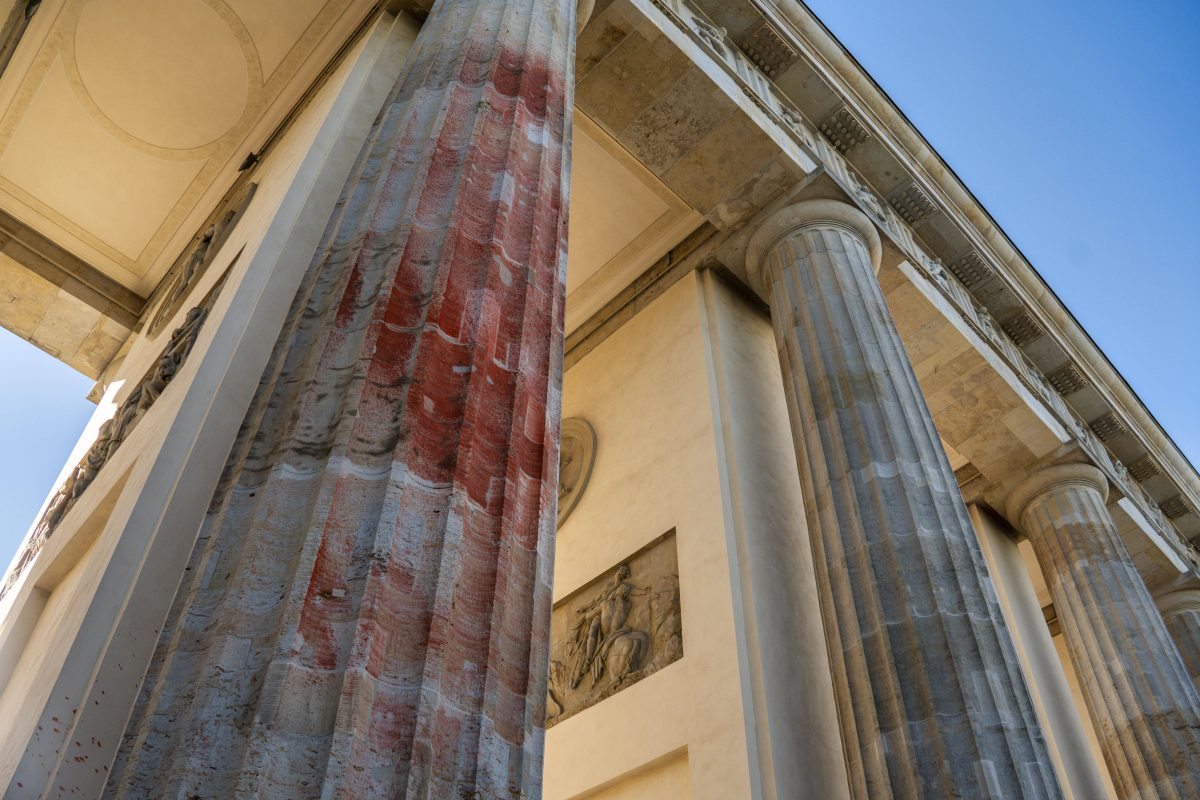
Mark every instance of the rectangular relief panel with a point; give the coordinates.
(615, 630)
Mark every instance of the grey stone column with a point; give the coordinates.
(1181, 612)
(1144, 707)
(930, 696)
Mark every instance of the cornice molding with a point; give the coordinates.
(808, 145)
(883, 120)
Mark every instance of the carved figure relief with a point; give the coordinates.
(115, 431)
(197, 257)
(577, 456)
(616, 630)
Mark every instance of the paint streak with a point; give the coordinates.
(377, 620)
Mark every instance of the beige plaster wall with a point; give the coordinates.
(123, 546)
(645, 392)
(1071, 739)
(791, 719)
(692, 432)
(661, 780)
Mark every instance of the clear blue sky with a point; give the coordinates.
(1075, 123)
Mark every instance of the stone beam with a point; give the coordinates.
(59, 302)
(657, 92)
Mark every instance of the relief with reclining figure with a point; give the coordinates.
(615, 630)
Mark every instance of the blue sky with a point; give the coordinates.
(1075, 123)
(43, 409)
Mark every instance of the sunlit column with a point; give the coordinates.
(367, 610)
(1143, 704)
(929, 690)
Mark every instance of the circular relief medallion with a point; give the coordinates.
(577, 456)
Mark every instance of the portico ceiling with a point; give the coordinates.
(123, 121)
(622, 219)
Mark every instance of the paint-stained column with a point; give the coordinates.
(1143, 704)
(367, 608)
(930, 696)
(1181, 611)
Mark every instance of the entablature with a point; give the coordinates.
(863, 142)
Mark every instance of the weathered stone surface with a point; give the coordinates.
(1181, 613)
(1143, 704)
(577, 457)
(615, 630)
(367, 608)
(930, 695)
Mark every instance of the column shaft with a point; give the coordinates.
(1143, 704)
(931, 698)
(367, 608)
(1181, 612)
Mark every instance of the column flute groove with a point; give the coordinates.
(930, 695)
(367, 607)
(1143, 705)
(1181, 612)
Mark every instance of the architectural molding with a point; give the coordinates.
(811, 145)
(807, 214)
(576, 459)
(83, 281)
(1178, 601)
(1051, 478)
(882, 119)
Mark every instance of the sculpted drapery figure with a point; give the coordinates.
(602, 625)
(115, 430)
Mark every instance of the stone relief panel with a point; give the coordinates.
(615, 630)
(197, 257)
(577, 456)
(115, 431)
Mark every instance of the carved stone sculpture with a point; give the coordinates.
(193, 262)
(616, 630)
(577, 456)
(601, 625)
(114, 431)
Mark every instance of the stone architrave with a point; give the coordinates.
(1143, 705)
(1181, 612)
(930, 695)
(367, 609)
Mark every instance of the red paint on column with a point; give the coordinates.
(403, 461)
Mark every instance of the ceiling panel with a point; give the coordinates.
(123, 121)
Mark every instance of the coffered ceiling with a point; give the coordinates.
(123, 121)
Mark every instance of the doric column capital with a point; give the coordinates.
(1051, 478)
(797, 217)
(925, 674)
(1180, 600)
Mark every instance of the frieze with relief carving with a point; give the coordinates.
(619, 628)
(115, 431)
(195, 260)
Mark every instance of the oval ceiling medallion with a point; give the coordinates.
(577, 456)
(173, 75)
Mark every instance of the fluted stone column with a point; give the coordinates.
(929, 690)
(1142, 702)
(1181, 612)
(367, 609)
